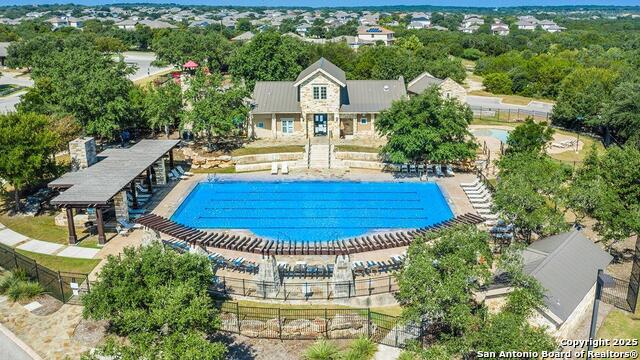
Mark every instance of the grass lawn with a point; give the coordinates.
(569, 157)
(267, 150)
(510, 99)
(60, 263)
(8, 89)
(620, 325)
(40, 227)
(227, 170)
(357, 148)
(149, 79)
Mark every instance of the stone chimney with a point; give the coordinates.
(83, 153)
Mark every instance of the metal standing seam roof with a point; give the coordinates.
(422, 82)
(566, 266)
(275, 96)
(326, 66)
(100, 182)
(372, 95)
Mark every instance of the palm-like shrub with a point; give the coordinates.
(322, 350)
(361, 349)
(24, 290)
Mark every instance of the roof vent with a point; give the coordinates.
(386, 88)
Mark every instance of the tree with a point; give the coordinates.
(606, 189)
(83, 83)
(31, 52)
(530, 193)
(427, 128)
(581, 98)
(438, 280)
(157, 299)
(529, 137)
(243, 24)
(215, 112)
(179, 46)
(498, 83)
(27, 146)
(163, 106)
(269, 56)
(622, 113)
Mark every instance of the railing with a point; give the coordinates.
(64, 286)
(329, 152)
(508, 115)
(330, 323)
(309, 153)
(304, 289)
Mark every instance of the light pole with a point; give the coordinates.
(603, 280)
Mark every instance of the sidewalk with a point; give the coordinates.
(15, 240)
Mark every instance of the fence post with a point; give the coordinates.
(369, 323)
(86, 277)
(238, 316)
(37, 273)
(61, 286)
(369, 286)
(389, 283)
(264, 290)
(284, 286)
(279, 325)
(244, 291)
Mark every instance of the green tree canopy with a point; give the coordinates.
(529, 137)
(158, 299)
(427, 128)
(27, 146)
(163, 106)
(622, 112)
(498, 83)
(177, 47)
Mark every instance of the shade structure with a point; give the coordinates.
(190, 65)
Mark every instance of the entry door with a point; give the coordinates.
(320, 124)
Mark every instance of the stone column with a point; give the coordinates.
(268, 281)
(197, 249)
(134, 195)
(336, 126)
(373, 124)
(71, 226)
(83, 153)
(100, 223)
(342, 280)
(160, 169)
(121, 204)
(148, 180)
(355, 126)
(274, 129)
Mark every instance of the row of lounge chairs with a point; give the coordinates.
(302, 270)
(263, 246)
(371, 267)
(565, 144)
(435, 170)
(217, 260)
(178, 173)
(481, 199)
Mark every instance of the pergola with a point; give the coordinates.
(116, 170)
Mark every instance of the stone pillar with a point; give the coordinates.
(160, 169)
(171, 165)
(134, 195)
(102, 239)
(373, 125)
(251, 131)
(336, 126)
(197, 249)
(274, 129)
(268, 281)
(148, 180)
(121, 204)
(71, 226)
(305, 125)
(83, 153)
(342, 279)
(355, 125)
(150, 237)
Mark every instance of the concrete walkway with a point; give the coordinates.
(13, 239)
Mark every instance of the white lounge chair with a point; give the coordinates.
(483, 200)
(471, 184)
(484, 211)
(479, 195)
(486, 205)
(182, 172)
(142, 189)
(274, 168)
(449, 170)
(473, 188)
(476, 192)
(285, 168)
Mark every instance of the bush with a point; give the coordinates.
(472, 54)
(361, 349)
(322, 350)
(11, 279)
(498, 83)
(24, 290)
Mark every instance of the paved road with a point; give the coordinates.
(496, 103)
(13, 348)
(141, 60)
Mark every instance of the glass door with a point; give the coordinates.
(320, 124)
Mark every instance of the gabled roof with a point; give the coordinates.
(566, 265)
(245, 36)
(326, 67)
(376, 30)
(422, 82)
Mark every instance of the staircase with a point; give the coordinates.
(319, 156)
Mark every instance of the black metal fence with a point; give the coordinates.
(304, 290)
(508, 115)
(623, 294)
(314, 323)
(64, 286)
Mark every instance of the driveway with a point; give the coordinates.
(142, 60)
(8, 103)
(495, 103)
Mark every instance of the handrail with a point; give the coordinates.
(309, 153)
(329, 152)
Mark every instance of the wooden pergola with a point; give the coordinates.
(116, 170)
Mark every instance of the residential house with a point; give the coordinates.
(245, 36)
(373, 34)
(550, 26)
(471, 23)
(302, 29)
(321, 102)
(499, 28)
(566, 266)
(65, 21)
(448, 88)
(419, 21)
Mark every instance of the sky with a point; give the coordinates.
(343, 3)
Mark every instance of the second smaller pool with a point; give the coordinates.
(499, 134)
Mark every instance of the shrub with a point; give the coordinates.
(24, 290)
(361, 349)
(11, 279)
(472, 54)
(322, 350)
(498, 83)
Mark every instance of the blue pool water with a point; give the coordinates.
(312, 210)
(499, 134)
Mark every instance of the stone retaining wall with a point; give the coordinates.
(267, 158)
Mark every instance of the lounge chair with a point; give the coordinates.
(439, 172)
(476, 192)
(127, 225)
(474, 188)
(274, 168)
(141, 189)
(449, 170)
(483, 200)
(177, 175)
(471, 184)
(285, 168)
(413, 168)
(486, 205)
(137, 211)
(182, 172)
(483, 211)
(420, 169)
(404, 168)
(480, 194)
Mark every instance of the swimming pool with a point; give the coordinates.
(499, 134)
(312, 210)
